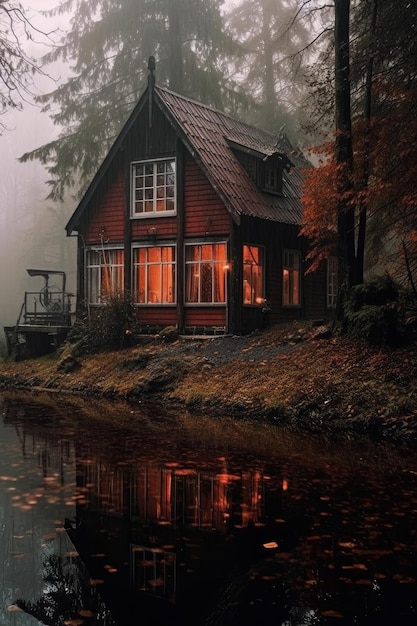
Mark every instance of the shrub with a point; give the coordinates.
(109, 327)
(374, 312)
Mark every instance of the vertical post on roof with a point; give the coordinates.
(151, 85)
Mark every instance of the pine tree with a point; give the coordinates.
(274, 38)
(107, 49)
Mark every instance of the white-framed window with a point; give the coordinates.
(153, 188)
(253, 275)
(331, 282)
(205, 273)
(104, 273)
(291, 278)
(154, 274)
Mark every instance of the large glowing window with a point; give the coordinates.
(153, 188)
(104, 274)
(253, 270)
(291, 278)
(154, 275)
(205, 273)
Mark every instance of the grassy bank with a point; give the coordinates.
(292, 374)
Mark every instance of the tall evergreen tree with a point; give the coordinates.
(275, 39)
(107, 48)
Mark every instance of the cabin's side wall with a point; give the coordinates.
(275, 239)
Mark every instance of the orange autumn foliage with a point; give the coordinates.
(384, 179)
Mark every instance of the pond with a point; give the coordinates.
(116, 515)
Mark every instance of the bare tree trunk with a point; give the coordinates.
(363, 208)
(344, 153)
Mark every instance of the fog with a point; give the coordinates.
(32, 228)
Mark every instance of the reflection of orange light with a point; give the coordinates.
(226, 478)
(284, 484)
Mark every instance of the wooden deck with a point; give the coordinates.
(42, 325)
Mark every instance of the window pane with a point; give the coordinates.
(154, 255)
(104, 274)
(291, 278)
(155, 272)
(154, 182)
(253, 288)
(205, 273)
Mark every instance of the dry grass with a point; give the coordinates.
(270, 373)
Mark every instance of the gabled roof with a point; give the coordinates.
(210, 136)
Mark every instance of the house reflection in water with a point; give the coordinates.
(155, 506)
(186, 497)
(154, 525)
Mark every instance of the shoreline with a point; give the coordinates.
(313, 382)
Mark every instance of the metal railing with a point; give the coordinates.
(46, 308)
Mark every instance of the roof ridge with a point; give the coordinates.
(274, 136)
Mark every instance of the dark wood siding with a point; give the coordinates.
(204, 212)
(108, 218)
(156, 228)
(156, 316)
(275, 238)
(204, 317)
(315, 295)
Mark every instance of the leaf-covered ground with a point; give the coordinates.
(294, 375)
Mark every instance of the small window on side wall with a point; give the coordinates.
(291, 278)
(253, 275)
(331, 282)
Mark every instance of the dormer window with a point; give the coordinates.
(271, 177)
(272, 174)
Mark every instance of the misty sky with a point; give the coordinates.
(23, 209)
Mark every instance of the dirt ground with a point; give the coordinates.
(306, 378)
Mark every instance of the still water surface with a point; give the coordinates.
(194, 521)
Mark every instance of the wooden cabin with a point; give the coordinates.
(198, 216)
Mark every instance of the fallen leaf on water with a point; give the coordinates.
(363, 581)
(331, 613)
(404, 579)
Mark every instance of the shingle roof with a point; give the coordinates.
(208, 134)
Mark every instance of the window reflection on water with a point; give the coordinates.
(160, 520)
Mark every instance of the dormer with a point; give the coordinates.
(264, 169)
